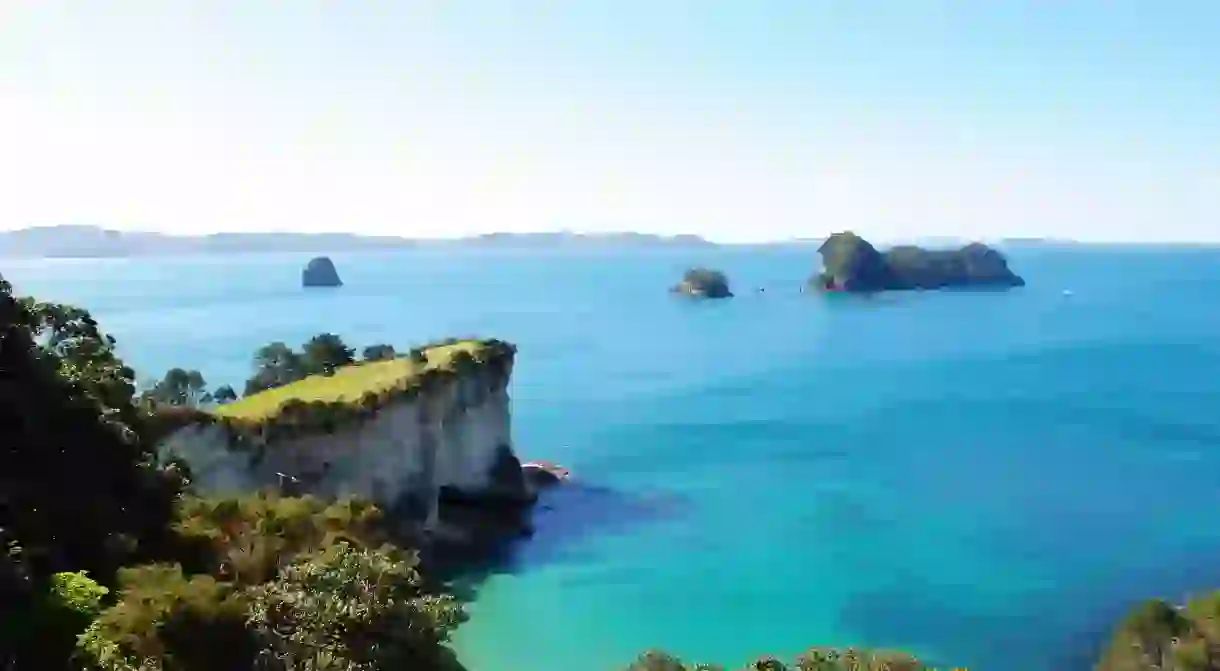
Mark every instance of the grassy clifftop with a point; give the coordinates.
(351, 383)
(323, 402)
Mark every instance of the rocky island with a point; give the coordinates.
(850, 263)
(320, 272)
(703, 283)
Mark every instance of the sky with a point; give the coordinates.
(739, 121)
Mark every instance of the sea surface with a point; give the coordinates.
(986, 479)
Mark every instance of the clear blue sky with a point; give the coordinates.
(1092, 119)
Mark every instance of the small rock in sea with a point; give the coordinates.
(320, 272)
(703, 283)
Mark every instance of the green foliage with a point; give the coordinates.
(816, 659)
(166, 621)
(84, 357)
(248, 539)
(77, 593)
(1156, 636)
(326, 352)
(381, 352)
(180, 387)
(69, 424)
(44, 628)
(342, 608)
(350, 609)
(352, 393)
(275, 364)
(224, 394)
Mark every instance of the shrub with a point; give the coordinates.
(380, 352)
(248, 539)
(816, 659)
(165, 621)
(353, 609)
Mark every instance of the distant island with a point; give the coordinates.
(703, 283)
(850, 263)
(97, 242)
(320, 272)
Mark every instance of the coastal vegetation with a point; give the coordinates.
(328, 379)
(703, 283)
(1158, 635)
(135, 571)
(815, 659)
(850, 263)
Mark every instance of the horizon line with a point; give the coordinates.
(886, 240)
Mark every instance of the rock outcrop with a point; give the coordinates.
(703, 283)
(320, 272)
(446, 441)
(850, 263)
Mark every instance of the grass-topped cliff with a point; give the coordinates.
(850, 263)
(366, 385)
(324, 388)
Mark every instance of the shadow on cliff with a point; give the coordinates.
(562, 519)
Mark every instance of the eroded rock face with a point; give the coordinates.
(850, 263)
(320, 272)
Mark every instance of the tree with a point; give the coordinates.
(348, 608)
(380, 352)
(224, 394)
(180, 387)
(275, 365)
(81, 489)
(325, 352)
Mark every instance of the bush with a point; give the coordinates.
(248, 539)
(165, 621)
(348, 608)
(816, 659)
(380, 352)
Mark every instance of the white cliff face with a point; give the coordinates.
(448, 437)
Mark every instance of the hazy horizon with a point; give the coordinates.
(1088, 121)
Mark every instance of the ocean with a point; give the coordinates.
(985, 479)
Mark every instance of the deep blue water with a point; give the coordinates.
(988, 479)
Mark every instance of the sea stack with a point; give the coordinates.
(703, 283)
(320, 272)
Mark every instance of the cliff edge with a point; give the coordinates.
(320, 272)
(850, 263)
(411, 433)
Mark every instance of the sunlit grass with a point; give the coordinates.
(347, 384)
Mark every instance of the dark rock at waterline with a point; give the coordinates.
(543, 474)
(850, 263)
(320, 272)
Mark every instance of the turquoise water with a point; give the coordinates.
(984, 478)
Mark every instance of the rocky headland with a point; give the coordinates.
(851, 264)
(427, 436)
(703, 283)
(320, 272)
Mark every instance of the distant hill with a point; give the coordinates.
(94, 242)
